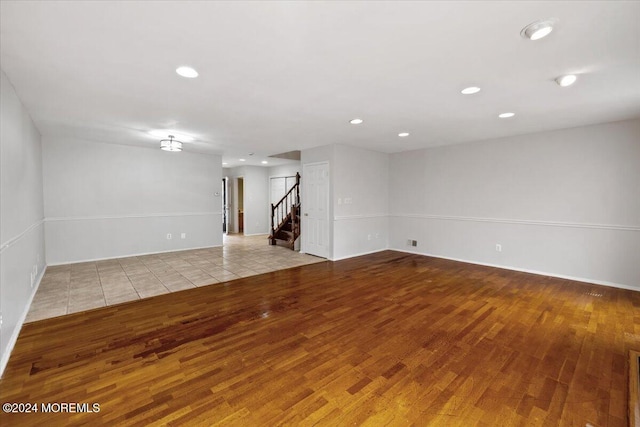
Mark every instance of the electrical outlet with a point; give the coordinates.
(368, 236)
(377, 235)
(168, 236)
(414, 243)
(183, 236)
(409, 242)
(498, 247)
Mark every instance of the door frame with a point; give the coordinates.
(235, 205)
(225, 205)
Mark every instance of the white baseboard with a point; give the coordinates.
(132, 255)
(524, 270)
(16, 332)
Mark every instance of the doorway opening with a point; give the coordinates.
(241, 205)
(225, 205)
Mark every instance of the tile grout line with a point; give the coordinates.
(129, 279)
(157, 278)
(66, 311)
(101, 287)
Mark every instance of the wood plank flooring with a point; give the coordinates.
(384, 339)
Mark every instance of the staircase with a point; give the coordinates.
(285, 217)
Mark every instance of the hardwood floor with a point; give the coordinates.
(384, 339)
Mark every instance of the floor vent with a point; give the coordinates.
(634, 388)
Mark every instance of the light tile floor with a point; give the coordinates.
(70, 288)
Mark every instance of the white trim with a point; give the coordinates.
(525, 270)
(136, 254)
(359, 254)
(16, 332)
(363, 216)
(151, 215)
(521, 221)
(256, 234)
(13, 240)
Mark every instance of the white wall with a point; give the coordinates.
(22, 259)
(289, 169)
(361, 200)
(107, 200)
(256, 207)
(565, 203)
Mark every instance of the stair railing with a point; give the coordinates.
(286, 210)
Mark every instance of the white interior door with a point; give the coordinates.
(315, 209)
(277, 189)
(280, 185)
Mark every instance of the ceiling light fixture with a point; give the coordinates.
(403, 134)
(537, 30)
(356, 121)
(224, 163)
(506, 115)
(187, 72)
(567, 80)
(164, 133)
(264, 162)
(470, 90)
(170, 144)
(242, 160)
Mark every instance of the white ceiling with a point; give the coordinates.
(282, 76)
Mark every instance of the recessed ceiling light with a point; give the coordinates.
(506, 115)
(242, 160)
(224, 163)
(567, 80)
(470, 90)
(537, 30)
(264, 162)
(356, 121)
(403, 134)
(187, 72)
